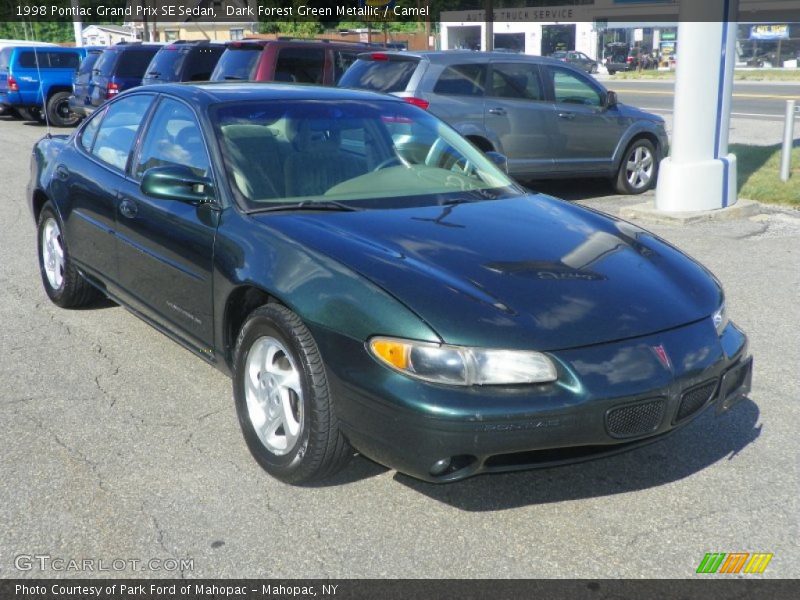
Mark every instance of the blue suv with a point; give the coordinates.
(33, 78)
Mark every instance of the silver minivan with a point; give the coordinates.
(550, 119)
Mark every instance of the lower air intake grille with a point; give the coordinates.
(695, 399)
(635, 419)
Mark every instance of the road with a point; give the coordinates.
(117, 444)
(762, 101)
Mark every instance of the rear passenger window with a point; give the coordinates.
(64, 60)
(300, 65)
(117, 132)
(462, 80)
(516, 80)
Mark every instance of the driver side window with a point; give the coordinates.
(173, 139)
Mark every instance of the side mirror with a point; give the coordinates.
(501, 160)
(177, 183)
(611, 99)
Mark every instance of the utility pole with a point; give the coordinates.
(77, 24)
(488, 37)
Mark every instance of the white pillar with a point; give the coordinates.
(700, 174)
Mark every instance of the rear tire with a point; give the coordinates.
(64, 285)
(638, 170)
(58, 110)
(283, 401)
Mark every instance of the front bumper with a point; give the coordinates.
(609, 398)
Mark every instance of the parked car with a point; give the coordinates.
(5, 43)
(578, 59)
(37, 79)
(82, 83)
(308, 61)
(622, 57)
(119, 68)
(371, 280)
(550, 119)
(183, 61)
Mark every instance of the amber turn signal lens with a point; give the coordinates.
(391, 352)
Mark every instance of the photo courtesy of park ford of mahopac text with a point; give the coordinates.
(399, 299)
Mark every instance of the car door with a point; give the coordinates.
(89, 177)
(586, 132)
(517, 111)
(166, 246)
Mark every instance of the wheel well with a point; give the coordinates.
(56, 89)
(39, 200)
(241, 302)
(644, 135)
(482, 143)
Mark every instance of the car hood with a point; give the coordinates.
(526, 272)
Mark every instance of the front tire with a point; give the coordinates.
(58, 110)
(283, 401)
(33, 113)
(64, 285)
(639, 168)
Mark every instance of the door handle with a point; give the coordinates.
(497, 111)
(62, 172)
(566, 115)
(128, 208)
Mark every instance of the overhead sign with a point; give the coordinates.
(769, 32)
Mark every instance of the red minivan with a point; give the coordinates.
(299, 61)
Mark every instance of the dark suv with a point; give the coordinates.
(119, 68)
(82, 82)
(183, 61)
(309, 61)
(549, 118)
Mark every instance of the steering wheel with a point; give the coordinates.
(392, 160)
(455, 163)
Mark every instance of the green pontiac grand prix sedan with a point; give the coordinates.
(372, 281)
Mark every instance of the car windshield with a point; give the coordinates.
(368, 154)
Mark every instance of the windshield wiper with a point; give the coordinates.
(307, 205)
(234, 78)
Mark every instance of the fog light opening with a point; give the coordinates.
(440, 467)
(451, 464)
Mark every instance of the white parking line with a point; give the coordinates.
(667, 111)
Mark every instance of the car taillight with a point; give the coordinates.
(423, 104)
(630, 59)
(113, 90)
(379, 56)
(13, 86)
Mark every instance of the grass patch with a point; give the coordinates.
(738, 75)
(759, 174)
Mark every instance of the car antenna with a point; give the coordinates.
(41, 92)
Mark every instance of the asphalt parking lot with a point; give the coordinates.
(117, 444)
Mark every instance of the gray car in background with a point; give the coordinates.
(549, 118)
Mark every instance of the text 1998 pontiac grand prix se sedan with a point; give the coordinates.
(373, 281)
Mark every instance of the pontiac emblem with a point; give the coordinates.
(662, 356)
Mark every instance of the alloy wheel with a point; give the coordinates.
(639, 168)
(53, 254)
(274, 395)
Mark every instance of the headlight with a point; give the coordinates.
(720, 319)
(460, 365)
